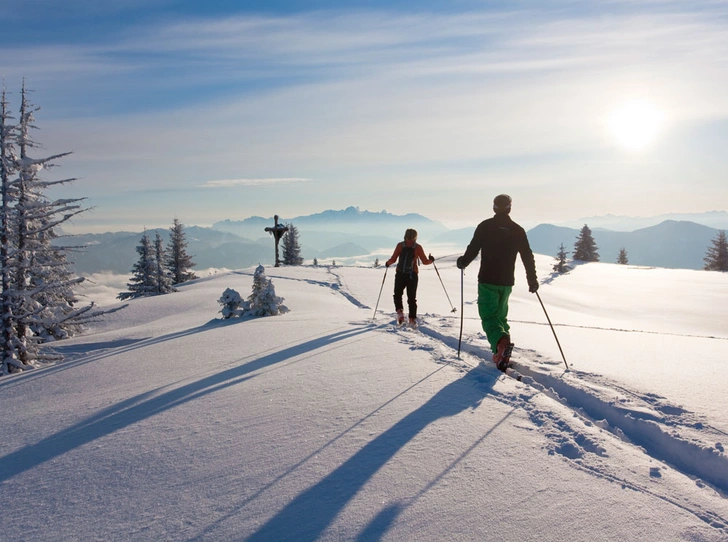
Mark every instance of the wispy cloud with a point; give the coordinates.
(381, 102)
(227, 183)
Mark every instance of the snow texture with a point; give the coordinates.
(328, 422)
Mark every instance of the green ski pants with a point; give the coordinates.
(493, 311)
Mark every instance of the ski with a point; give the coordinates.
(510, 371)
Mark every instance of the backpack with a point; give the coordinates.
(406, 259)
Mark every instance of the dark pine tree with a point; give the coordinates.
(560, 265)
(291, 247)
(144, 280)
(716, 258)
(622, 258)
(162, 277)
(178, 262)
(585, 249)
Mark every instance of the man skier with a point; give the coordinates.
(499, 240)
(408, 252)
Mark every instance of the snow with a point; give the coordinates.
(327, 422)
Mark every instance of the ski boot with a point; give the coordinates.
(502, 356)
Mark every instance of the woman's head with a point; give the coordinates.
(410, 234)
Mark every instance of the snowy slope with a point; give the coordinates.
(167, 423)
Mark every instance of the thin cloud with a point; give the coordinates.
(227, 183)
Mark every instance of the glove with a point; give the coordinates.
(431, 258)
(459, 263)
(533, 287)
(386, 264)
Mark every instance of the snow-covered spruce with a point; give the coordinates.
(38, 302)
(232, 304)
(263, 301)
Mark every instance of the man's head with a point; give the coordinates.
(502, 204)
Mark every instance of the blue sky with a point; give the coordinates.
(217, 110)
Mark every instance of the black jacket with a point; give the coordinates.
(498, 240)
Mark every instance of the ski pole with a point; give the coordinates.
(462, 273)
(553, 331)
(386, 268)
(443, 287)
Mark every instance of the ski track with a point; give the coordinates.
(337, 286)
(589, 405)
(586, 408)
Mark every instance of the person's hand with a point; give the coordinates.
(533, 287)
(386, 264)
(432, 259)
(459, 263)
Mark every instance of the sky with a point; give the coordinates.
(205, 111)
(329, 422)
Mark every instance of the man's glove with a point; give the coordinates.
(431, 258)
(459, 263)
(533, 286)
(386, 264)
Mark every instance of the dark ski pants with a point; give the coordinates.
(402, 282)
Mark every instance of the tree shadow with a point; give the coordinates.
(148, 404)
(312, 511)
(90, 352)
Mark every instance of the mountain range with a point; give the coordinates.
(674, 244)
(352, 235)
(712, 219)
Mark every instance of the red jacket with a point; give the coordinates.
(419, 255)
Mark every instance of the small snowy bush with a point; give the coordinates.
(232, 304)
(264, 301)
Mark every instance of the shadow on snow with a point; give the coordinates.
(148, 404)
(313, 510)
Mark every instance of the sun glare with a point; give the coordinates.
(635, 125)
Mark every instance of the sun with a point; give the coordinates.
(635, 125)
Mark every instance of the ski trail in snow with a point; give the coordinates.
(337, 285)
(665, 432)
(586, 418)
(620, 330)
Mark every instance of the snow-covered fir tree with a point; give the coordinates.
(162, 276)
(291, 247)
(622, 257)
(59, 315)
(11, 343)
(716, 258)
(38, 302)
(263, 301)
(232, 304)
(178, 262)
(560, 265)
(585, 248)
